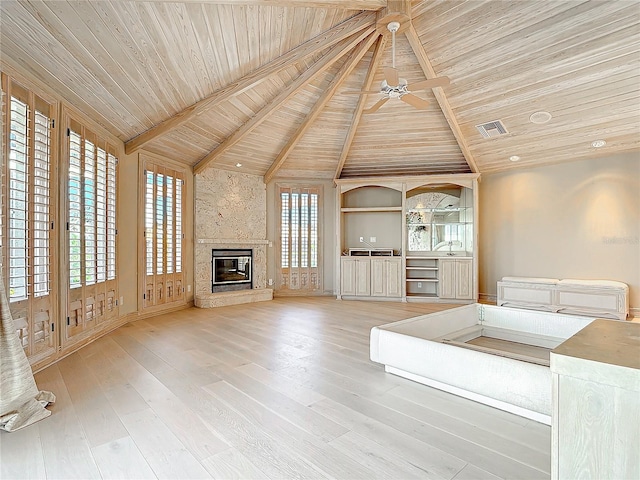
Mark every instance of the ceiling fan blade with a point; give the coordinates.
(414, 101)
(362, 92)
(431, 83)
(391, 76)
(377, 105)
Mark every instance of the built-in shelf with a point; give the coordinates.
(427, 223)
(371, 252)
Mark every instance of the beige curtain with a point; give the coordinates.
(21, 403)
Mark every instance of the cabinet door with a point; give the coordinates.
(363, 276)
(378, 277)
(348, 276)
(394, 277)
(447, 280)
(464, 279)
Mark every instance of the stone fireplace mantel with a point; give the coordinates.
(232, 241)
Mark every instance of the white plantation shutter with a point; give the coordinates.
(111, 216)
(101, 216)
(91, 231)
(299, 239)
(160, 224)
(28, 198)
(163, 235)
(26, 219)
(18, 202)
(91, 211)
(178, 224)
(75, 210)
(41, 199)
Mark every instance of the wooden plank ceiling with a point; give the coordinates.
(266, 83)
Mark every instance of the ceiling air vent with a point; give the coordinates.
(492, 129)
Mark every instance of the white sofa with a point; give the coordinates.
(594, 298)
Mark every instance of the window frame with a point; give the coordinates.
(309, 189)
(165, 287)
(89, 306)
(36, 313)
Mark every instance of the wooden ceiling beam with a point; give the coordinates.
(346, 4)
(337, 81)
(265, 112)
(427, 68)
(338, 33)
(357, 115)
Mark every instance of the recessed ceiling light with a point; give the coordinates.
(540, 117)
(238, 164)
(514, 158)
(598, 143)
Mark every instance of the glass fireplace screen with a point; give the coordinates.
(231, 267)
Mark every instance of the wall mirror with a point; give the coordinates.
(439, 221)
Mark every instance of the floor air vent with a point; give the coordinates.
(492, 129)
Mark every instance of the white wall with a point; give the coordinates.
(571, 220)
(128, 184)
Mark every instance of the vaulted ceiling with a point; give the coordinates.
(268, 83)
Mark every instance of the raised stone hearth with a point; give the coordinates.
(224, 299)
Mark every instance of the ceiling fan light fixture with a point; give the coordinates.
(238, 164)
(598, 143)
(394, 87)
(393, 27)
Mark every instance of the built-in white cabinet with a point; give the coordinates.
(355, 276)
(409, 238)
(371, 276)
(456, 278)
(386, 277)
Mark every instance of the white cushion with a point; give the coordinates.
(550, 281)
(595, 283)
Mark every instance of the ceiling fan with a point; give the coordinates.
(395, 87)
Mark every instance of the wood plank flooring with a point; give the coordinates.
(270, 390)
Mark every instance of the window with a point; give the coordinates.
(28, 195)
(91, 211)
(299, 238)
(163, 193)
(91, 231)
(27, 217)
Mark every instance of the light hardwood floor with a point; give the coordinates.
(281, 389)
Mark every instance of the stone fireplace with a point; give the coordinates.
(230, 215)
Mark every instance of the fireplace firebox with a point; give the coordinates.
(231, 269)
